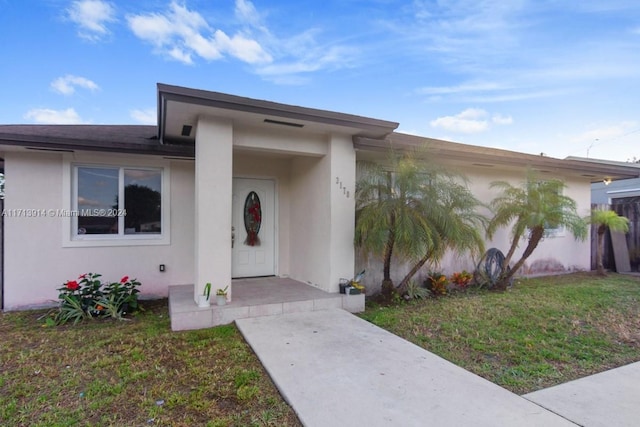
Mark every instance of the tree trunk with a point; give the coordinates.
(387, 283)
(403, 284)
(600, 251)
(512, 249)
(388, 251)
(534, 239)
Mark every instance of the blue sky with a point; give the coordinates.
(560, 77)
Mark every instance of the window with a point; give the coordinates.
(117, 202)
(548, 203)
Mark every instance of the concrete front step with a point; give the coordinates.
(255, 298)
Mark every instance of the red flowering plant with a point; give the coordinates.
(87, 297)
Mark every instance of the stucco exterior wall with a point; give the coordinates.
(36, 263)
(213, 194)
(342, 212)
(310, 220)
(313, 174)
(555, 254)
(252, 165)
(280, 141)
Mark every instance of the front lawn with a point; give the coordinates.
(544, 331)
(134, 373)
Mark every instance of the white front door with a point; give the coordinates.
(253, 252)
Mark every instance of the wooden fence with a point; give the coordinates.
(628, 207)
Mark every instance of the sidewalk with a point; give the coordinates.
(336, 369)
(610, 398)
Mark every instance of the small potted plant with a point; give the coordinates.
(203, 300)
(221, 296)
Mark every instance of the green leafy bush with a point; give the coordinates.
(437, 283)
(415, 291)
(88, 297)
(461, 279)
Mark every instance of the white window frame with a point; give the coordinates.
(71, 238)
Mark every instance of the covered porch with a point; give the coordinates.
(255, 297)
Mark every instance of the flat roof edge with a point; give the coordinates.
(472, 153)
(238, 103)
(110, 147)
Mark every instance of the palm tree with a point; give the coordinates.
(531, 208)
(604, 219)
(415, 210)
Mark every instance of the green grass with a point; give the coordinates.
(132, 373)
(543, 332)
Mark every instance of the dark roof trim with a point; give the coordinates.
(40, 138)
(237, 103)
(484, 155)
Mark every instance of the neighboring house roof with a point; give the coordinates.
(605, 162)
(471, 155)
(603, 191)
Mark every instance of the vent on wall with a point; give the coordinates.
(278, 122)
(186, 130)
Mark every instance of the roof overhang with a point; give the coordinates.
(131, 139)
(179, 109)
(464, 155)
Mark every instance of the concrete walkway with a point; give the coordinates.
(610, 398)
(336, 369)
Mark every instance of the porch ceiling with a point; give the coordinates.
(179, 107)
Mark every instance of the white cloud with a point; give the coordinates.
(145, 117)
(243, 48)
(487, 91)
(471, 120)
(184, 35)
(180, 34)
(48, 116)
(67, 85)
(246, 12)
(499, 119)
(612, 141)
(306, 60)
(601, 134)
(464, 88)
(91, 16)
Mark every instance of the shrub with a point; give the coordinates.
(87, 297)
(437, 283)
(415, 291)
(461, 279)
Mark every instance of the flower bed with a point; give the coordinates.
(88, 297)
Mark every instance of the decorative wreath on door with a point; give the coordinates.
(252, 219)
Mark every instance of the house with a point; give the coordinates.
(224, 187)
(623, 197)
(559, 252)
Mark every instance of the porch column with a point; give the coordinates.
(213, 194)
(342, 209)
